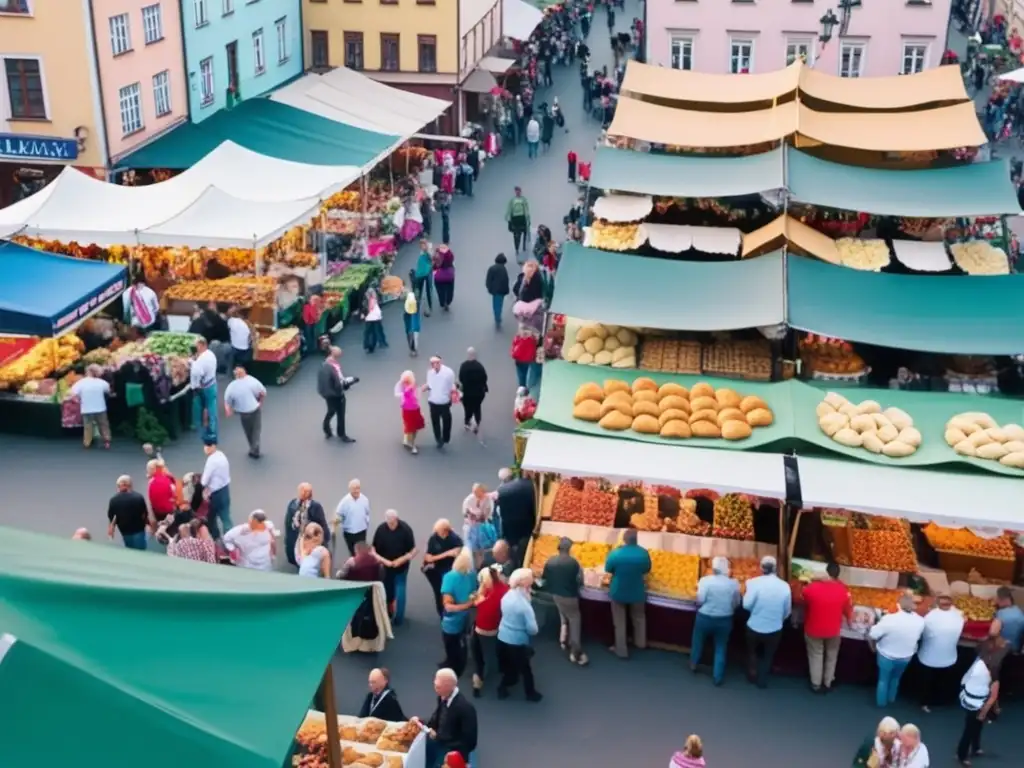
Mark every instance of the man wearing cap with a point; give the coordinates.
(439, 388)
(563, 578)
(770, 601)
(216, 480)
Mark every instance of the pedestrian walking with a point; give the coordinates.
(331, 386)
(373, 322)
(412, 416)
(411, 321)
(473, 390)
(313, 557)
(163, 491)
(395, 546)
(240, 335)
(311, 314)
(913, 753)
(245, 396)
(532, 137)
(203, 381)
(301, 510)
(692, 754)
(442, 548)
(881, 749)
(443, 201)
(478, 532)
(562, 578)
(517, 215)
(353, 515)
(572, 158)
(769, 600)
(611, 20)
(92, 393)
(628, 565)
(423, 278)
(426, 209)
(826, 603)
(458, 594)
(517, 628)
(937, 653)
(484, 645)
(216, 480)
(718, 597)
(128, 514)
(444, 276)
(529, 296)
(557, 115)
(524, 353)
(497, 284)
(979, 692)
(894, 639)
(440, 389)
(547, 129)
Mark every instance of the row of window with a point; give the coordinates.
(201, 10)
(130, 102)
(851, 55)
(390, 51)
(121, 33)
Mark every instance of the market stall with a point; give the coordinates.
(368, 741)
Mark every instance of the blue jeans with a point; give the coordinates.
(719, 628)
(135, 540)
(373, 335)
(522, 373)
(533, 379)
(889, 673)
(220, 512)
(400, 582)
(531, 148)
(497, 304)
(205, 399)
(309, 339)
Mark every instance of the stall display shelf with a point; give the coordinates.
(311, 752)
(278, 346)
(277, 374)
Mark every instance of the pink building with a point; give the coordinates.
(878, 39)
(141, 70)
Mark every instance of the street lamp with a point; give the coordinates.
(828, 23)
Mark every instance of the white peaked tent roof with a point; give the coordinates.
(519, 19)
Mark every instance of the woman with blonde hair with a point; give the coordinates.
(518, 625)
(881, 750)
(692, 755)
(312, 556)
(484, 645)
(458, 594)
(412, 416)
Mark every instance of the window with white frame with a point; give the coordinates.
(162, 92)
(228, 7)
(259, 56)
(130, 100)
(682, 52)
(800, 47)
(851, 59)
(152, 24)
(201, 11)
(915, 58)
(206, 81)
(120, 34)
(741, 55)
(281, 25)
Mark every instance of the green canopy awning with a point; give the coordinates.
(269, 128)
(630, 290)
(925, 313)
(978, 189)
(120, 658)
(645, 173)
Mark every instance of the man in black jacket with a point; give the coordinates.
(452, 727)
(517, 504)
(301, 511)
(331, 385)
(473, 386)
(382, 701)
(497, 286)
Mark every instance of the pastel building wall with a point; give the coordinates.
(887, 37)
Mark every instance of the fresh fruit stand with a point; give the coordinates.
(277, 357)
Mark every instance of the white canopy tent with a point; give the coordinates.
(922, 496)
(519, 19)
(760, 474)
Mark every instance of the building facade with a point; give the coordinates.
(50, 102)
(237, 49)
(430, 47)
(870, 39)
(141, 69)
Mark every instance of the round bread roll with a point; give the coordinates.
(993, 451)
(897, 449)
(997, 435)
(677, 429)
(645, 406)
(627, 337)
(979, 438)
(675, 414)
(848, 437)
(966, 426)
(612, 329)
(612, 343)
(954, 436)
(1015, 460)
(620, 394)
(593, 345)
(731, 414)
(966, 448)
(616, 421)
(863, 422)
(701, 389)
(1013, 432)
(910, 436)
(590, 331)
(983, 420)
(645, 396)
(752, 403)
(869, 406)
(888, 433)
(675, 402)
(671, 388)
(736, 430)
(622, 353)
(704, 415)
(611, 386)
(705, 429)
(615, 404)
(832, 423)
(646, 424)
(642, 383)
(1014, 446)
(728, 398)
(623, 363)
(600, 331)
(823, 409)
(849, 409)
(881, 420)
(587, 410)
(899, 418)
(586, 359)
(704, 402)
(604, 357)
(573, 353)
(760, 417)
(836, 400)
(872, 442)
(588, 391)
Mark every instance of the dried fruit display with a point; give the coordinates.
(741, 568)
(739, 359)
(568, 504)
(978, 435)
(599, 508)
(865, 425)
(671, 356)
(964, 542)
(975, 608)
(882, 599)
(673, 574)
(244, 292)
(45, 358)
(734, 518)
(882, 551)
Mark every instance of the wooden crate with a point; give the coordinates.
(989, 567)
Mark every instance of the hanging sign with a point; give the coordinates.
(13, 145)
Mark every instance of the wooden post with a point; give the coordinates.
(330, 704)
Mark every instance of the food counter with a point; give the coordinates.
(365, 743)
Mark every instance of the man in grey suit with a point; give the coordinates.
(331, 385)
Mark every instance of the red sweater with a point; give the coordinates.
(488, 613)
(826, 602)
(162, 495)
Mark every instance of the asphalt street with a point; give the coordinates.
(614, 713)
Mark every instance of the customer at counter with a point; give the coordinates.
(628, 566)
(1012, 618)
(894, 639)
(718, 597)
(937, 655)
(826, 603)
(769, 600)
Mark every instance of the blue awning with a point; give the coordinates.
(42, 294)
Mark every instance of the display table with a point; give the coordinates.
(24, 415)
(307, 742)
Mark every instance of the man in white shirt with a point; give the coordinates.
(92, 393)
(244, 396)
(141, 306)
(373, 323)
(241, 338)
(353, 514)
(216, 483)
(943, 626)
(894, 639)
(203, 380)
(440, 386)
(254, 542)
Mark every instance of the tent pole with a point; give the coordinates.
(330, 704)
(364, 192)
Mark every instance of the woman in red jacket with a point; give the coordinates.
(488, 616)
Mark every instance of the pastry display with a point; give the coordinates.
(963, 541)
(830, 356)
(371, 730)
(980, 257)
(975, 608)
(398, 739)
(673, 574)
(977, 434)
(671, 411)
(312, 736)
(671, 356)
(734, 517)
(613, 237)
(867, 255)
(740, 568)
(597, 344)
(865, 425)
(739, 359)
(882, 550)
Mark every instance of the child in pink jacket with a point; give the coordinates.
(692, 755)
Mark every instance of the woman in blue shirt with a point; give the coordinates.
(423, 278)
(458, 592)
(518, 625)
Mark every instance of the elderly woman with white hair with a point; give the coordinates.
(458, 595)
(518, 625)
(718, 597)
(412, 416)
(477, 530)
(881, 750)
(443, 547)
